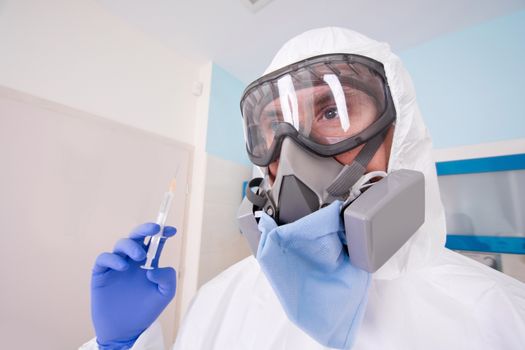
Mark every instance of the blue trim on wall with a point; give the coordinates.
(488, 244)
(481, 165)
(244, 187)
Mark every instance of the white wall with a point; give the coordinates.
(70, 188)
(192, 240)
(227, 166)
(222, 244)
(77, 54)
(482, 150)
(214, 242)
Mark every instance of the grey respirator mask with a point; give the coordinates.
(300, 118)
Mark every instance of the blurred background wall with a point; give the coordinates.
(469, 82)
(227, 167)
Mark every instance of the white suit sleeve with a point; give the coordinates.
(150, 339)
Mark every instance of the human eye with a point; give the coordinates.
(327, 114)
(330, 113)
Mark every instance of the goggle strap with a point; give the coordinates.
(352, 172)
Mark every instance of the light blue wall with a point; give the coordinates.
(225, 135)
(471, 84)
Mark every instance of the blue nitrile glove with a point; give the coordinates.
(310, 272)
(126, 299)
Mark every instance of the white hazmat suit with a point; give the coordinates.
(424, 297)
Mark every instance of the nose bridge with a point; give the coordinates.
(306, 113)
(314, 171)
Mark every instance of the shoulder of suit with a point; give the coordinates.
(244, 270)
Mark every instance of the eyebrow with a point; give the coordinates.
(323, 97)
(318, 98)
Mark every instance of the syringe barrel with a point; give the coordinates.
(154, 242)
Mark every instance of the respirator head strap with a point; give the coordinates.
(352, 172)
(256, 199)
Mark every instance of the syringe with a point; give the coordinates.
(154, 241)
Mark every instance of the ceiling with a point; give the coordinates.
(243, 42)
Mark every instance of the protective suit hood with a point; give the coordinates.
(411, 147)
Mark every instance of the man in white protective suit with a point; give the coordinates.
(304, 293)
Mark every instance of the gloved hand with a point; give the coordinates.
(126, 299)
(311, 274)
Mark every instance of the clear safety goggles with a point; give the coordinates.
(328, 104)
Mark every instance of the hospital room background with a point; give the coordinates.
(102, 102)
